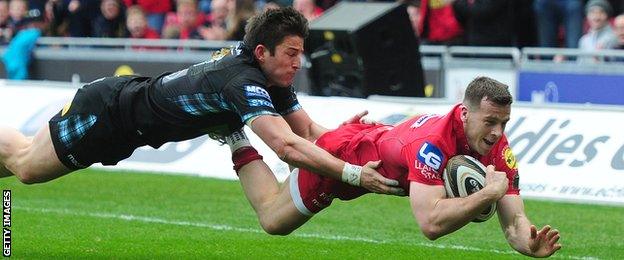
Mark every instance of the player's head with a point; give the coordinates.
(276, 39)
(485, 113)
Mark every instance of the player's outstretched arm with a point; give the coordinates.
(299, 152)
(302, 125)
(521, 234)
(438, 215)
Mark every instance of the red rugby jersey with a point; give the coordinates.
(418, 149)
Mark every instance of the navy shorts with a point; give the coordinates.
(88, 131)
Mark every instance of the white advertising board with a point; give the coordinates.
(574, 153)
(457, 79)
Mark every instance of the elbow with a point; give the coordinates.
(286, 152)
(432, 227)
(431, 232)
(429, 226)
(280, 146)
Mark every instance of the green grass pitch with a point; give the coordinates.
(123, 215)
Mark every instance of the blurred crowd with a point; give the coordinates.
(145, 19)
(584, 24)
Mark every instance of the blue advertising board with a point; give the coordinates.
(571, 88)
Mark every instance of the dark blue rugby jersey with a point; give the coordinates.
(215, 97)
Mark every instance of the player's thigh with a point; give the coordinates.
(287, 204)
(41, 160)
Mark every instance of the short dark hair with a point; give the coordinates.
(489, 88)
(270, 27)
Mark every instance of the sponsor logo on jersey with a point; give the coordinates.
(510, 159)
(217, 55)
(256, 91)
(174, 75)
(422, 120)
(425, 171)
(430, 155)
(260, 103)
(66, 108)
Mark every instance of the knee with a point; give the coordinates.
(27, 176)
(272, 227)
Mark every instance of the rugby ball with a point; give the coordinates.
(465, 175)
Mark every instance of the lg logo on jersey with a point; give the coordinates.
(430, 155)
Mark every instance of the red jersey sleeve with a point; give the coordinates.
(504, 160)
(426, 159)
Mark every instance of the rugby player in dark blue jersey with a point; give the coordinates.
(250, 84)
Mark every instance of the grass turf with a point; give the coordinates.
(97, 214)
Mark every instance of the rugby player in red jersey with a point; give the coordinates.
(415, 153)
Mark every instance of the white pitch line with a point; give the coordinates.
(219, 227)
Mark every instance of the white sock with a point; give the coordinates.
(237, 140)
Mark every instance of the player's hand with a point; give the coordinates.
(496, 181)
(543, 243)
(377, 183)
(359, 119)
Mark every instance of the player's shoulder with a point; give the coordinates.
(431, 129)
(245, 77)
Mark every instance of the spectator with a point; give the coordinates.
(73, 17)
(215, 28)
(4, 13)
(156, 11)
(618, 24)
(185, 23)
(485, 22)
(18, 19)
(600, 35)
(240, 12)
(17, 13)
(219, 12)
(413, 11)
(308, 8)
(5, 32)
(438, 24)
(111, 20)
(23, 29)
(551, 14)
(136, 22)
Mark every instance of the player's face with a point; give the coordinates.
(485, 125)
(280, 68)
